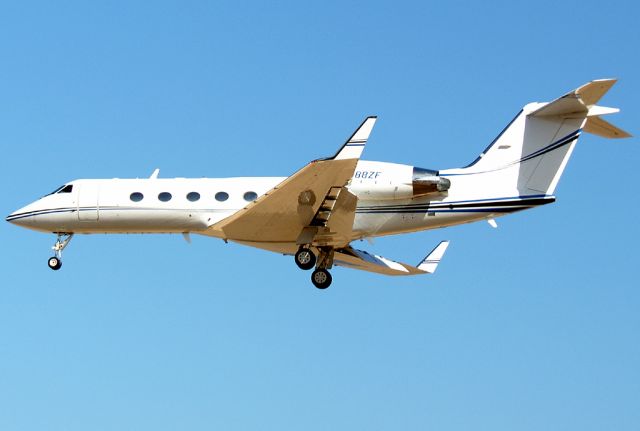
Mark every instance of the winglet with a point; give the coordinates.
(154, 175)
(352, 149)
(430, 263)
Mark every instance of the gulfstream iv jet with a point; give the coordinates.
(315, 214)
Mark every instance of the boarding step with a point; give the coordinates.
(326, 207)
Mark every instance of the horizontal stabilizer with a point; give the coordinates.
(600, 127)
(580, 104)
(593, 91)
(359, 259)
(577, 101)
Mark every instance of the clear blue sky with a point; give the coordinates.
(533, 326)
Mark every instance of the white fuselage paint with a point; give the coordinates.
(105, 206)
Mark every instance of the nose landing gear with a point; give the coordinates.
(55, 262)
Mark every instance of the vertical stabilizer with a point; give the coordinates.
(531, 153)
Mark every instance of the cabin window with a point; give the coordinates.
(193, 196)
(136, 196)
(222, 196)
(164, 196)
(250, 196)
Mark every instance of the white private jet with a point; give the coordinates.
(318, 211)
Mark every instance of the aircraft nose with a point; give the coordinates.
(23, 217)
(14, 218)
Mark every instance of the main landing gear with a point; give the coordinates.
(55, 262)
(321, 278)
(306, 259)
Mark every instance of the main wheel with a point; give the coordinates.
(321, 278)
(305, 259)
(54, 263)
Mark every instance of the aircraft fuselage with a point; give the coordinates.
(386, 204)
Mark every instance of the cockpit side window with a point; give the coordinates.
(67, 188)
(57, 190)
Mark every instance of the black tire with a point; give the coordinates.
(321, 278)
(54, 263)
(305, 259)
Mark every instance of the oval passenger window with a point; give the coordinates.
(164, 196)
(250, 196)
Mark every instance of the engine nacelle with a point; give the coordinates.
(426, 181)
(385, 181)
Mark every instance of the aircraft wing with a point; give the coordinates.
(359, 259)
(312, 205)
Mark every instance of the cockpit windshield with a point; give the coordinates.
(67, 188)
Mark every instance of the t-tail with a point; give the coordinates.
(527, 159)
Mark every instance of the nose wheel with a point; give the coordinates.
(55, 262)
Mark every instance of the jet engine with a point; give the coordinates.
(385, 181)
(426, 181)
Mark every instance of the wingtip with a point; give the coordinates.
(352, 149)
(593, 91)
(613, 80)
(430, 263)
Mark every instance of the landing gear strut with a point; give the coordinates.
(321, 278)
(305, 259)
(55, 262)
